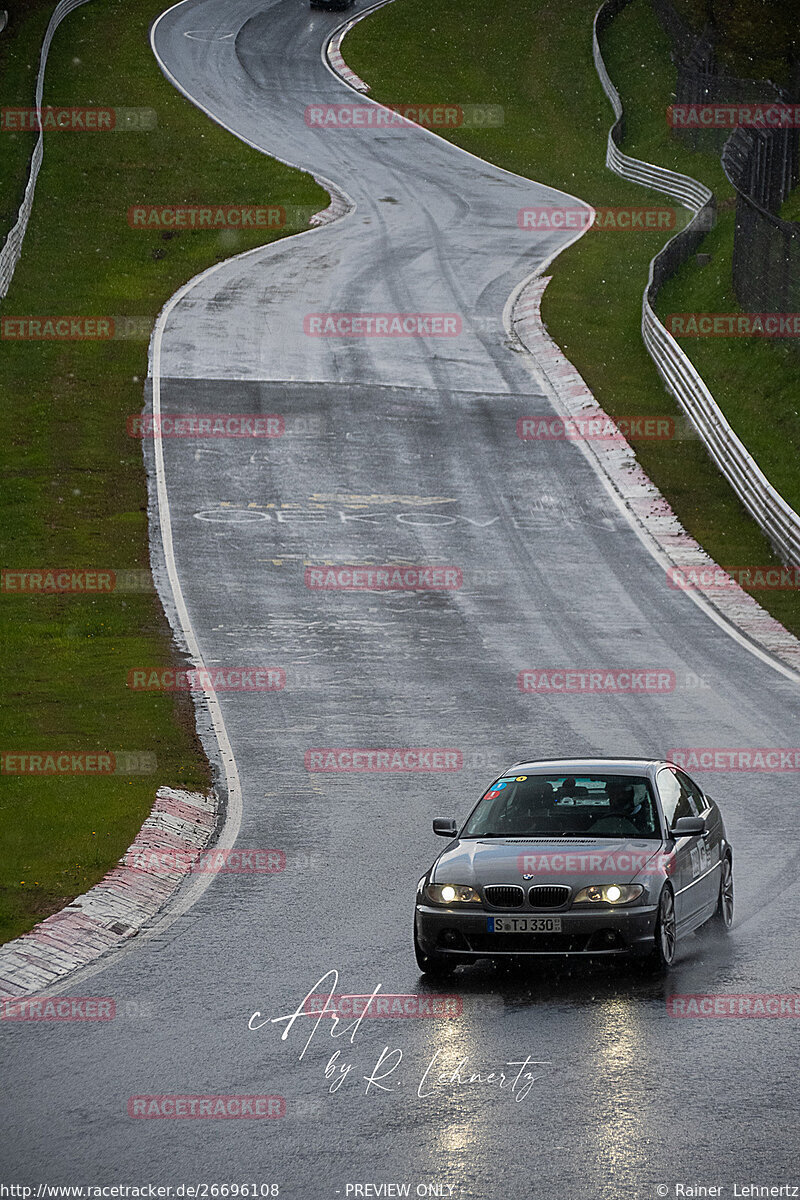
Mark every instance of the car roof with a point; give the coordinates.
(584, 766)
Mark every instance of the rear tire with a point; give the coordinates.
(436, 966)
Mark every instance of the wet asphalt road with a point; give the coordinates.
(405, 451)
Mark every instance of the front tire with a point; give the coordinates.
(665, 939)
(723, 914)
(437, 966)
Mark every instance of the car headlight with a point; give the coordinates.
(451, 893)
(609, 893)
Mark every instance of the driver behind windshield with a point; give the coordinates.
(568, 788)
(591, 805)
(623, 806)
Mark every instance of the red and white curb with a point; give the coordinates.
(332, 50)
(338, 207)
(340, 66)
(617, 460)
(179, 826)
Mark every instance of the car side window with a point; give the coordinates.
(696, 797)
(675, 799)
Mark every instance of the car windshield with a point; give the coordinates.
(597, 806)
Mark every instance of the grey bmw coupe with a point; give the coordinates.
(577, 857)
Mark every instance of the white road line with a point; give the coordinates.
(233, 808)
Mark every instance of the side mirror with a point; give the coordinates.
(445, 827)
(688, 827)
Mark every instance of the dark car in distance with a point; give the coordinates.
(578, 858)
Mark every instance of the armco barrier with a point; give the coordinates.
(12, 249)
(777, 519)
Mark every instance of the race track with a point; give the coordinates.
(404, 451)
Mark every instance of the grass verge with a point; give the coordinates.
(20, 45)
(75, 493)
(535, 59)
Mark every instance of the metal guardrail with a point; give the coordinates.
(12, 249)
(777, 519)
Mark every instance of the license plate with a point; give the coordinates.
(524, 924)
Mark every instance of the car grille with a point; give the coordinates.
(544, 896)
(504, 896)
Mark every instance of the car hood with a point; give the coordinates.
(574, 861)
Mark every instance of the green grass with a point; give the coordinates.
(790, 210)
(535, 59)
(20, 44)
(75, 491)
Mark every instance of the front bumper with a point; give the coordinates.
(465, 935)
